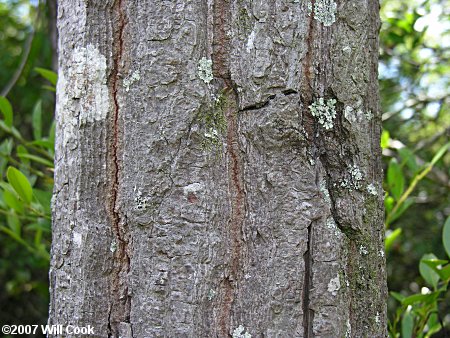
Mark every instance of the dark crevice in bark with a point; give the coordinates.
(307, 86)
(120, 303)
(259, 105)
(309, 124)
(221, 71)
(289, 91)
(308, 314)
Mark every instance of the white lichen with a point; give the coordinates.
(349, 114)
(363, 250)
(324, 190)
(369, 115)
(211, 294)
(371, 189)
(381, 253)
(347, 50)
(113, 246)
(141, 202)
(251, 41)
(77, 239)
(239, 332)
(205, 70)
(324, 111)
(334, 285)
(82, 91)
(377, 318)
(356, 178)
(348, 332)
(356, 175)
(136, 76)
(212, 134)
(193, 188)
(324, 11)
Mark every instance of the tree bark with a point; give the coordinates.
(218, 169)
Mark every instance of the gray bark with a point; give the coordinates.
(236, 206)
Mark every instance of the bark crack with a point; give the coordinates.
(307, 86)
(308, 313)
(259, 105)
(119, 308)
(221, 12)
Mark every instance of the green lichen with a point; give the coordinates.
(213, 123)
(324, 111)
(244, 23)
(204, 70)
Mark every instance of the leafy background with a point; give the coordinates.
(414, 81)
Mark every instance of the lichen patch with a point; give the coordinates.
(324, 11)
(85, 81)
(324, 111)
(239, 332)
(136, 76)
(334, 285)
(205, 70)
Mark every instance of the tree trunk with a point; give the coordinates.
(218, 169)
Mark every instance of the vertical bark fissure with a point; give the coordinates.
(220, 57)
(310, 126)
(119, 307)
(307, 91)
(308, 314)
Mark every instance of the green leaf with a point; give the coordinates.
(50, 88)
(38, 237)
(391, 236)
(43, 143)
(395, 179)
(20, 151)
(7, 111)
(37, 159)
(434, 325)
(47, 74)
(37, 120)
(446, 236)
(428, 274)
(419, 298)
(409, 159)
(444, 273)
(13, 201)
(436, 266)
(14, 236)
(5, 150)
(441, 152)
(14, 223)
(20, 184)
(51, 135)
(388, 203)
(397, 296)
(408, 202)
(44, 198)
(385, 139)
(407, 324)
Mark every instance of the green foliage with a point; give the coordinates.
(26, 161)
(6, 109)
(414, 81)
(25, 207)
(419, 313)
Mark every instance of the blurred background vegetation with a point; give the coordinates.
(414, 85)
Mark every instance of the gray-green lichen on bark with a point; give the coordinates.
(278, 234)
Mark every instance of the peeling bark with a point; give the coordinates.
(197, 202)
